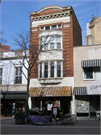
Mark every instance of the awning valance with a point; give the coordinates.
(80, 91)
(91, 63)
(50, 91)
(13, 96)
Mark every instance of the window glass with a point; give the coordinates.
(42, 28)
(58, 69)
(88, 73)
(97, 73)
(41, 42)
(46, 43)
(52, 42)
(40, 70)
(59, 26)
(0, 75)
(47, 27)
(46, 69)
(18, 75)
(54, 27)
(58, 42)
(52, 69)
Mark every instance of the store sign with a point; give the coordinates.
(94, 88)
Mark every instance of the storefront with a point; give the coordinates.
(87, 100)
(11, 101)
(44, 98)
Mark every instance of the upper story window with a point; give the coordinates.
(92, 73)
(40, 70)
(18, 75)
(54, 27)
(0, 75)
(46, 69)
(58, 42)
(47, 28)
(59, 69)
(51, 42)
(50, 70)
(51, 27)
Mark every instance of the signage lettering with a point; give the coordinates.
(95, 87)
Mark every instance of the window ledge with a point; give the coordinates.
(52, 50)
(88, 79)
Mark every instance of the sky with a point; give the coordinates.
(15, 14)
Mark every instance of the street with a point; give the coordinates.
(89, 126)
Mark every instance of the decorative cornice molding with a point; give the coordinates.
(51, 16)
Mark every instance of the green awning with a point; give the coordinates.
(14, 96)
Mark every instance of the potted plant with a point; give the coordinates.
(19, 117)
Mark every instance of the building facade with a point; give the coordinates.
(87, 80)
(94, 31)
(13, 85)
(52, 78)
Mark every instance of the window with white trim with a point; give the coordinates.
(0, 75)
(49, 69)
(40, 70)
(51, 27)
(58, 41)
(18, 75)
(92, 73)
(58, 68)
(52, 69)
(51, 42)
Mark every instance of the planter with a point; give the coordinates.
(20, 121)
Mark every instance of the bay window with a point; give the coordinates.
(58, 42)
(50, 69)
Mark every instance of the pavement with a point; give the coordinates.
(85, 126)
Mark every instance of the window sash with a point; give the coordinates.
(18, 75)
(58, 69)
(40, 70)
(46, 69)
(52, 69)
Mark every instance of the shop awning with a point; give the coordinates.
(50, 91)
(91, 63)
(80, 91)
(13, 96)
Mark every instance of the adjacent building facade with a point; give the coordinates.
(52, 77)
(94, 31)
(13, 85)
(87, 80)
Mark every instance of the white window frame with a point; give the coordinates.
(18, 75)
(1, 74)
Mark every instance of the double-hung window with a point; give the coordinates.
(58, 69)
(52, 69)
(0, 75)
(52, 42)
(18, 75)
(58, 42)
(40, 70)
(41, 42)
(46, 69)
(46, 43)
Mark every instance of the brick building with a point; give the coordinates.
(4, 48)
(52, 78)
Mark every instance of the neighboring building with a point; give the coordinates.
(87, 80)
(52, 78)
(94, 31)
(13, 85)
(4, 48)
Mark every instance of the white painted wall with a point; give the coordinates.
(8, 76)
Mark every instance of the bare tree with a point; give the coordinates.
(22, 40)
(2, 39)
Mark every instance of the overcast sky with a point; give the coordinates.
(15, 14)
